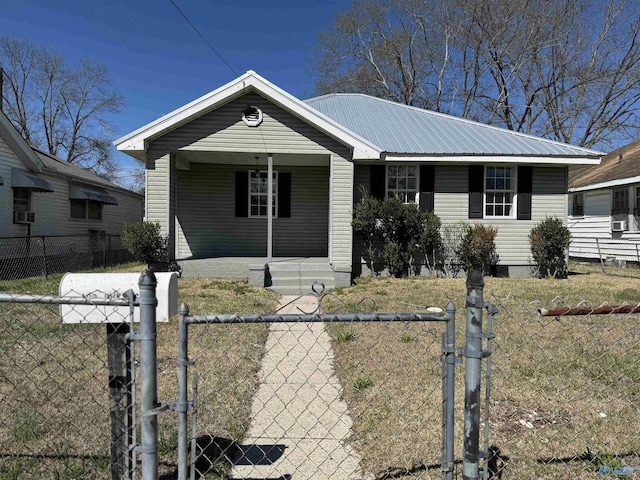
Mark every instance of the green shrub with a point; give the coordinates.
(144, 241)
(398, 232)
(478, 248)
(365, 219)
(430, 240)
(549, 241)
(401, 226)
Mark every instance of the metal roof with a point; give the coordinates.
(402, 129)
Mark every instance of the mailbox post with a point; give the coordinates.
(119, 354)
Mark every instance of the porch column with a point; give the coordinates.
(270, 208)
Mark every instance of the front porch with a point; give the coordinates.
(285, 275)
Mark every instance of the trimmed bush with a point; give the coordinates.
(144, 241)
(478, 249)
(549, 241)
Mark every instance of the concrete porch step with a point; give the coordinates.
(298, 278)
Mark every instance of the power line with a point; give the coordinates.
(204, 39)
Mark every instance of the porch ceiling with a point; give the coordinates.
(249, 158)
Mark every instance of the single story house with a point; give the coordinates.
(604, 207)
(43, 195)
(211, 164)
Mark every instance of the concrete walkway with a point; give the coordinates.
(299, 423)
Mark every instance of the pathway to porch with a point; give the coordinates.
(299, 422)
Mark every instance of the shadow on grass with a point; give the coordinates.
(217, 455)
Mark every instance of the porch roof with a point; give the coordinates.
(136, 142)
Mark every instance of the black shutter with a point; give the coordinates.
(284, 195)
(242, 193)
(427, 187)
(476, 191)
(525, 184)
(377, 181)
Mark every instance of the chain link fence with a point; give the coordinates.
(65, 389)
(565, 397)
(22, 257)
(311, 400)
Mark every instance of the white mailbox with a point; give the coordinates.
(114, 285)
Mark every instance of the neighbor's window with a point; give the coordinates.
(21, 199)
(86, 209)
(636, 210)
(402, 181)
(258, 193)
(620, 202)
(499, 191)
(578, 205)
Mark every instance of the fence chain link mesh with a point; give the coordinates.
(57, 393)
(565, 399)
(42, 255)
(311, 400)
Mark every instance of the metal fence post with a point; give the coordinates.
(44, 258)
(183, 364)
(120, 394)
(473, 354)
(448, 393)
(148, 372)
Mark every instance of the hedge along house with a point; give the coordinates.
(211, 163)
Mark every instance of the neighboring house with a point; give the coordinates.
(208, 166)
(43, 195)
(604, 204)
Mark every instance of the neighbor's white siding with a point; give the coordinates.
(53, 212)
(596, 224)
(8, 159)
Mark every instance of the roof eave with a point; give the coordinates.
(620, 182)
(19, 145)
(492, 158)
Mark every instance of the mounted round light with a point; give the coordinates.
(252, 116)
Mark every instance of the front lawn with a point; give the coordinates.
(565, 392)
(54, 421)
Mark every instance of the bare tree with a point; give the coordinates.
(567, 70)
(58, 109)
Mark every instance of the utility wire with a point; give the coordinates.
(204, 39)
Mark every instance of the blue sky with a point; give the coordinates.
(159, 63)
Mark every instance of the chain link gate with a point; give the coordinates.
(300, 425)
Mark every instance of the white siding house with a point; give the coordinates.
(43, 195)
(209, 164)
(604, 207)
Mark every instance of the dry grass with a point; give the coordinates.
(565, 392)
(54, 420)
(552, 378)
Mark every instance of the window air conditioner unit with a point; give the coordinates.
(619, 226)
(24, 217)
